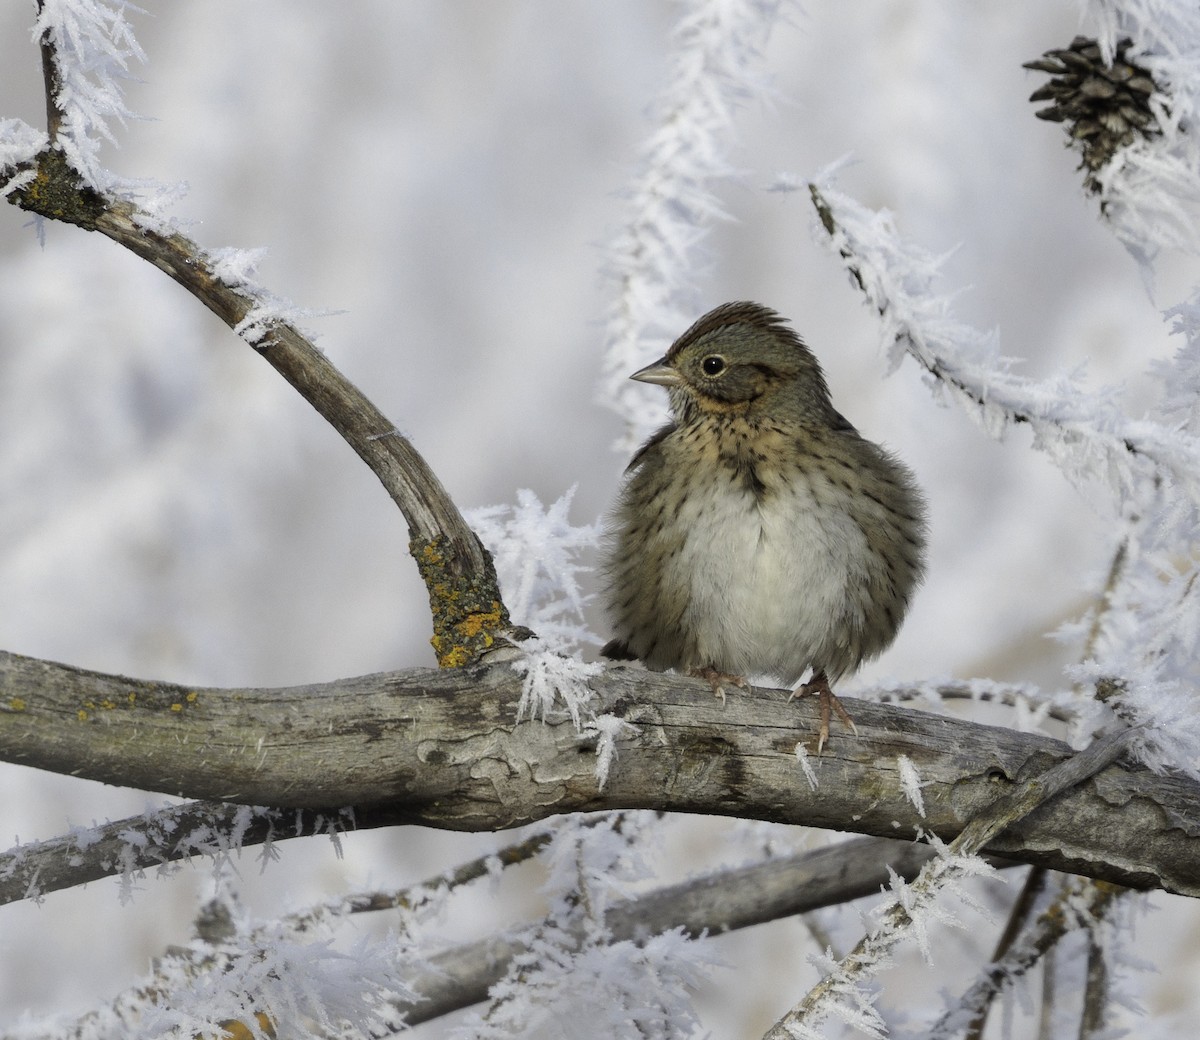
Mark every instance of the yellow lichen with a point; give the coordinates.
(17, 704)
(455, 657)
(81, 715)
(177, 706)
(235, 1029)
(466, 608)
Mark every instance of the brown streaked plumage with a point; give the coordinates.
(758, 533)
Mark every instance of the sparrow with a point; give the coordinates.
(758, 533)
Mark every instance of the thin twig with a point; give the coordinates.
(1034, 944)
(1018, 918)
(985, 826)
(411, 896)
(1045, 1027)
(52, 80)
(1095, 993)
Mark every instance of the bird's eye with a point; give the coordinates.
(713, 365)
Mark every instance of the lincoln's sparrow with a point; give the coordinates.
(758, 533)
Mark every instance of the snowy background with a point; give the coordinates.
(448, 176)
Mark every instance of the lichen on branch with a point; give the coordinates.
(468, 613)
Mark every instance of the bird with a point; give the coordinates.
(757, 533)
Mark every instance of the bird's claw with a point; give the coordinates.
(829, 703)
(717, 680)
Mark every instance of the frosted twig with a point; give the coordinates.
(87, 49)
(985, 691)
(724, 900)
(1080, 903)
(839, 989)
(154, 839)
(538, 556)
(1151, 189)
(411, 897)
(1084, 432)
(715, 52)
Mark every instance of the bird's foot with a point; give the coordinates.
(819, 685)
(717, 680)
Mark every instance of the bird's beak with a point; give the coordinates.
(659, 373)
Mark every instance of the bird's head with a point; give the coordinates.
(742, 359)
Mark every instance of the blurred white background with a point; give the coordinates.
(446, 175)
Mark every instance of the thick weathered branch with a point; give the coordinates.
(442, 748)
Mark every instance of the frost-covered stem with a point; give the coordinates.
(193, 961)
(1081, 431)
(715, 903)
(715, 51)
(872, 950)
(985, 691)
(1116, 570)
(52, 80)
(1031, 946)
(139, 843)
(412, 896)
(930, 364)
(1018, 918)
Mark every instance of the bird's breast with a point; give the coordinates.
(769, 558)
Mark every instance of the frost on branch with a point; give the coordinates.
(608, 728)
(160, 838)
(845, 990)
(95, 47)
(653, 259)
(911, 783)
(1085, 432)
(1144, 644)
(1151, 189)
(236, 268)
(552, 683)
(273, 982)
(571, 981)
(19, 144)
(537, 553)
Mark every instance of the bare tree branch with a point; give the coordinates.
(723, 901)
(468, 611)
(1039, 790)
(443, 749)
(52, 81)
(1079, 903)
(154, 839)
(1018, 920)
